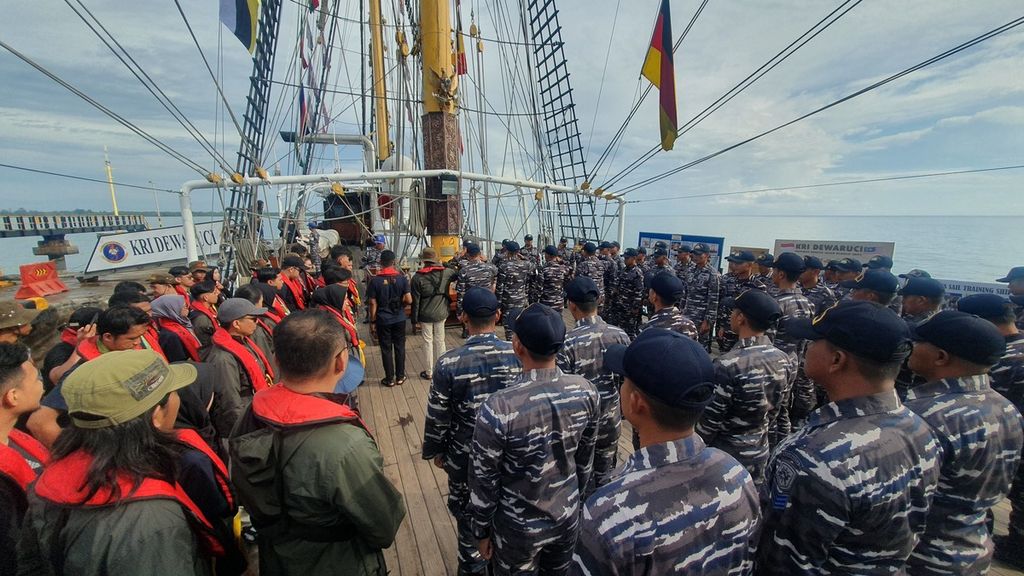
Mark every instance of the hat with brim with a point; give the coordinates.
(118, 387)
(234, 308)
(666, 365)
(963, 335)
(539, 328)
(860, 327)
(13, 314)
(1015, 273)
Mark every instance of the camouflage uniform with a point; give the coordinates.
(463, 379)
(533, 446)
(906, 379)
(821, 297)
(531, 254)
(702, 300)
(692, 510)
(803, 395)
(549, 284)
(583, 354)
(730, 287)
(980, 441)
(770, 286)
(684, 271)
(515, 276)
(627, 306)
(751, 384)
(1007, 378)
(593, 268)
(849, 492)
(477, 274)
(672, 319)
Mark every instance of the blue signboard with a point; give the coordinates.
(648, 239)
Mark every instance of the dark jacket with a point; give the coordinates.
(430, 299)
(313, 482)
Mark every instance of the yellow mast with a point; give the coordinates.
(379, 92)
(110, 179)
(440, 126)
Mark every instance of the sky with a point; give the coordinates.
(965, 112)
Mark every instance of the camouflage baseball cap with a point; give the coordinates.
(13, 314)
(118, 387)
(158, 278)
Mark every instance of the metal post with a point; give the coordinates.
(622, 222)
(189, 226)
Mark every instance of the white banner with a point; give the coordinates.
(836, 249)
(156, 246)
(957, 289)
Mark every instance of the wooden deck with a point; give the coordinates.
(426, 543)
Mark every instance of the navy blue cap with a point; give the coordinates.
(789, 262)
(685, 248)
(984, 305)
(766, 259)
(466, 243)
(700, 248)
(479, 302)
(743, 256)
(756, 304)
(615, 244)
(660, 252)
(921, 286)
(667, 366)
(1015, 273)
(879, 261)
(666, 285)
(860, 327)
(512, 246)
(630, 253)
(582, 289)
(846, 265)
(641, 250)
(916, 273)
(660, 244)
(813, 263)
(550, 250)
(472, 249)
(528, 237)
(963, 335)
(563, 240)
(874, 279)
(604, 244)
(590, 247)
(540, 329)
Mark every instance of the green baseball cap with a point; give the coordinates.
(118, 387)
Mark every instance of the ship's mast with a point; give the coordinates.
(380, 102)
(440, 127)
(110, 179)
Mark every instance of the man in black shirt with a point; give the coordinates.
(389, 294)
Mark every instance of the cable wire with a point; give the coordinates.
(942, 56)
(84, 178)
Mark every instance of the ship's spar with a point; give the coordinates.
(550, 198)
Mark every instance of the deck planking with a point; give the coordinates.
(426, 542)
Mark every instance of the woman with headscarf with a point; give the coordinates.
(177, 337)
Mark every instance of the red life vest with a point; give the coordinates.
(283, 407)
(260, 376)
(89, 349)
(429, 269)
(183, 292)
(389, 271)
(277, 310)
(69, 336)
(353, 291)
(63, 483)
(191, 438)
(14, 466)
(353, 334)
(188, 339)
(152, 338)
(204, 309)
(298, 294)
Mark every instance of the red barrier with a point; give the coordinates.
(39, 279)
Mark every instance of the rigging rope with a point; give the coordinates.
(939, 57)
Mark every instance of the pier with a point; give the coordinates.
(54, 227)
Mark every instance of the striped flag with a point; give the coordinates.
(659, 69)
(240, 16)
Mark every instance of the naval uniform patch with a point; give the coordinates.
(782, 481)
